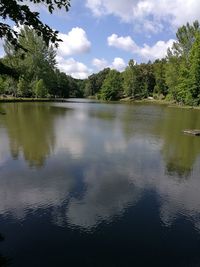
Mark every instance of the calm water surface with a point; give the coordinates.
(88, 184)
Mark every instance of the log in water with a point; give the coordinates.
(192, 132)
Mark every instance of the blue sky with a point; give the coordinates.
(108, 33)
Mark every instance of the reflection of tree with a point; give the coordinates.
(102, 114)
(179, 151)
(30, 130)
(4, 261)
(139, 119)
(2, 111)
(156, 123)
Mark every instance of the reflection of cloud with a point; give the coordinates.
(70, 137)
(22, 190)
(180, 198)
(108, 194)
(111, 188)
(111, 146)
(4, 147)
(101, 164)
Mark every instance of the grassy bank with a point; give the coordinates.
(171, 104)
(127, 100)
(23, 99)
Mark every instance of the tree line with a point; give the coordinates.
(175, 77)
(34, 73)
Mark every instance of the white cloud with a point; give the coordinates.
(73, 68)
(151, 15)
(100, 63)
(158, 50)
(118, 8)
(74, 42)
(125, 43)
(118, 64)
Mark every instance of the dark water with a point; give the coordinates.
(88, 184)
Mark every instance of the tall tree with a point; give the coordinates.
(178, 63)
(194, 71)
(95, 81)
(130, 82)
(185, 38)
(112, 86)
(38, 63)
(20, 13)
(160, 87)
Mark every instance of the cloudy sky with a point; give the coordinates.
(101, 33)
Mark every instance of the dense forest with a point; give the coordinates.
(33, 72)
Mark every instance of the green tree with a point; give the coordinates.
(178, 63)
(95, 81)
(172, 74)
(62, 84)
(38, 63)
(194, 71)
(20, 13)
(2, 85)
(185, 38)
(160, 87)
(130, 82)
(112, 86)
(23, 87)
(147, 79)
(40, 89)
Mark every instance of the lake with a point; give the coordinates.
(90, 184)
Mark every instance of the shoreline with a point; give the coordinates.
(23, 99)
(170, 104)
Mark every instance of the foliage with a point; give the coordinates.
(194, 71)
(182, 65)
(40, 89)
(95, 82)
(112, 85)
(19, 12)
(130, 81)
(36, 65)
(175, 77)
(22, 87)
(160, 79)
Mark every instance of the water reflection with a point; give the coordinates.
(180, 151)
(30, 128)
(4, 261)
(100, 161)
(108, 194)
(23, 191)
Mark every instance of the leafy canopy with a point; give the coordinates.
(21, 14)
